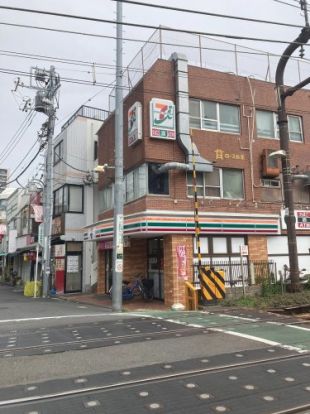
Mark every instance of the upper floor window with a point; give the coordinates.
(157, 183)
(135, 183)
(106, 198)
(214, 116)
(220, 183)
(58, 152)
(267, 126)
(68, 199)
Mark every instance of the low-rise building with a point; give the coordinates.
(182, 117)
(75, 201)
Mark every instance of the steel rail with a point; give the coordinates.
(152, 379)
(110, 338)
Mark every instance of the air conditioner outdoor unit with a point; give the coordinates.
(270, 165)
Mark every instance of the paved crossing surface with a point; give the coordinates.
(80, 359)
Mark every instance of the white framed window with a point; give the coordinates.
(129, 186)
(75, 198)
(106, 198)
(224, 183)
(58, 152)
(267, 126)
(139, 181)
(295, 128)
(219, 245)
(214, 116)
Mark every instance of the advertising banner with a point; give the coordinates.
(182, 261)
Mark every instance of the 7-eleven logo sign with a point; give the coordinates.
(162, 119)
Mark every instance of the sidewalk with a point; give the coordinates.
(135, 304)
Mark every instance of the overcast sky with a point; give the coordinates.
(102, 50)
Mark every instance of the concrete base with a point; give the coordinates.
(177, 307)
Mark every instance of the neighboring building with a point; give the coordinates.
(75, 201)
(232, 122)
(3, 178)
(4, 196)
(24, 215)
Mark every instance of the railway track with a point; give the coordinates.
(174, 388)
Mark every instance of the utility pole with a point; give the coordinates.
(47, 84)
(118, 237)
(283, 92)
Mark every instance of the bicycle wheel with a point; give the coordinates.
(137, 290)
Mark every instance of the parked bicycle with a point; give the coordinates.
(304, 275)
(138, 287)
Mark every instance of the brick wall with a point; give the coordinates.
(257, 248)
(135, 259)
(174, 291)
(219, 87)
(135, 262)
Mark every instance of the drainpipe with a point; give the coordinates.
(182, 116)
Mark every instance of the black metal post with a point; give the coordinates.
(283, 92)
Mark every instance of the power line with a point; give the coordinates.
(23, 159)
(286, 4)
(75, 62)
(145, 26)
(27, 166)
(200, 12)
(11, 145)
(71, 166)
(18, 131)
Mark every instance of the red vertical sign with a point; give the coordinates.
(182, 261)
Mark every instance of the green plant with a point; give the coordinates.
(269, 289)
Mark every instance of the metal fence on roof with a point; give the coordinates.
(211, 53)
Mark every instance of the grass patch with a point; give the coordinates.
(270, 301)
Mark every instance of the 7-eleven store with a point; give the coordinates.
(161, 246)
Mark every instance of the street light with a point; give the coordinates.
(276, 154)
(282, 93)
(102, 168)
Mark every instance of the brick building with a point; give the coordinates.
(231, 122)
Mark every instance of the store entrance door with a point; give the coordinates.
(155, 259)
(73, 273)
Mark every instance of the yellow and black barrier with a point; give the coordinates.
(212, 284)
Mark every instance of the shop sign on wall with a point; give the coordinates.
(59, 250)
(182, 261)
(134, 123)
(72, 264)
(302, 219)
(222, 155)
(59, 265)
(162, 119)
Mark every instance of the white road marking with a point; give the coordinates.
(242, 335)
(302, 328)
(87, 315)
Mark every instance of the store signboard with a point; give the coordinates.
(182, 261)
(134, 123)
(302, 219)
(244, 250)
(162, 119)
(72, 264)
(60, 250)
(12, 241)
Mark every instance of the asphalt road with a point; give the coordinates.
(62, 357)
